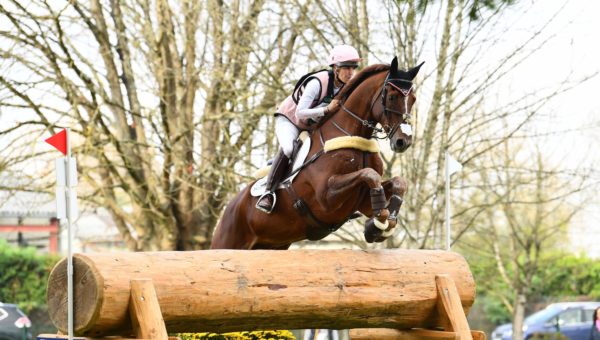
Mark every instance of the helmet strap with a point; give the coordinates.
(337, 78)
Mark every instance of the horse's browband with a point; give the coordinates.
(351, 142)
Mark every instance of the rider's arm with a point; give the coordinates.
(312, 92)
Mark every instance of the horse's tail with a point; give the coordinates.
(233, 231)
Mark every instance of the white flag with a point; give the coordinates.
(453, 165)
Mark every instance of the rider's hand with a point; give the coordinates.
(333, 106)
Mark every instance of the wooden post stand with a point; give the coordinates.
(455, 325)
(144, 312)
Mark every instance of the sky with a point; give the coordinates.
(572, 53)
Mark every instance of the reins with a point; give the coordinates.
(383, 93)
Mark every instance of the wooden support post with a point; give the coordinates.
(396, 334)
(452, 314)
(144, 311)
(478, 335)
(450, 308)
(413, 334)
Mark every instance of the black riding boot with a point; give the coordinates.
(266, 202)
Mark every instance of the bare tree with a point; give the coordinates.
(529, 207)
(456, 110)
(165, 99)
(172, 101)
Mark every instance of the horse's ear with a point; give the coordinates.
(394, 66)
(412, 73)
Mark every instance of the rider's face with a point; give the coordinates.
(345, 73)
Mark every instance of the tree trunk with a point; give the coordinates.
(519, 315)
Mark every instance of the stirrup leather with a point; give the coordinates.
(267, 211)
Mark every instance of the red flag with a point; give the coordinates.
(59, 141)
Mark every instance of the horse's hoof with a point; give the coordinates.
(372, 232)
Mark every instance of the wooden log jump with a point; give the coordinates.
(235, 290)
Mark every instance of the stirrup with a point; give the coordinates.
(266, 211)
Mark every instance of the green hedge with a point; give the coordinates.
(23, 280)
(24, 276)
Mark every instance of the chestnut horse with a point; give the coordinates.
(335, 184)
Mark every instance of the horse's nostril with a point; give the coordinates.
(400, 143)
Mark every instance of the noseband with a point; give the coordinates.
(383, 93)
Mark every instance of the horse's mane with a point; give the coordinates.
(359, 78)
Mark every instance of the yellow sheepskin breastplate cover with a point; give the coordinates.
(352, 142)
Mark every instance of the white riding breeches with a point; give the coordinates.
(286, 133)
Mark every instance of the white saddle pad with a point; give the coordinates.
(259, 186)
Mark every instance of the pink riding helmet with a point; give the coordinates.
(343, 55)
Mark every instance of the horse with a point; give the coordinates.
(338, 181)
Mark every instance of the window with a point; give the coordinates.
(588, 315)
(570, 317)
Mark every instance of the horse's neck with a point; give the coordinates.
(359, 103)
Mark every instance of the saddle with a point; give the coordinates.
(299, 154)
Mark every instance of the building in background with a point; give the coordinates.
(29, 219)
(37, 229)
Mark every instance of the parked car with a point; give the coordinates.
(573, 320)
(14, 324)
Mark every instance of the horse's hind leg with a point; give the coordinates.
(231, 238)
(233, 231)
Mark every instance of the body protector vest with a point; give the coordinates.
(288, 106)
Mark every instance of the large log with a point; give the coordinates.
(231, 290)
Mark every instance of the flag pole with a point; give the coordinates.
(66, 206)
(70, 240)
(447, 200)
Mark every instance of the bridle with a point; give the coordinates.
(372, 124)
(406, 116)
(405, 92)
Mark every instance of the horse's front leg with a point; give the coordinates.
(339, 187)
(395, 188)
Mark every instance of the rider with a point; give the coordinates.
(311, 100)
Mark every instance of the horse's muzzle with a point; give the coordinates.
(400, 144)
